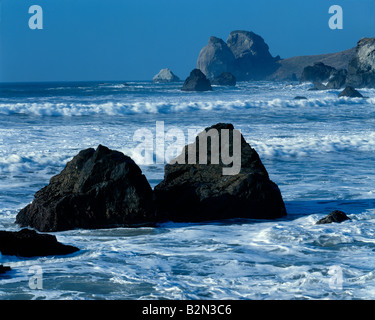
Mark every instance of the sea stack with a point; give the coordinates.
(165, 75)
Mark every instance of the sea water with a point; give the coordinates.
(319, 151)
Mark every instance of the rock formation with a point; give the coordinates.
(29, 243)
(361, 69)
(245, 55)
(165, 75)
(215, 58)
(98, 188)
(196, 81)
(200, 192)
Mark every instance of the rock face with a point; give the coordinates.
(28, 243)
(361, 69)
(335, 216)
(225, 79)
(98, 188)
(245, 55)
(197, 81)
(215, 58)
(165, 75)
(200, 192)
(351, 93)
(319, 72)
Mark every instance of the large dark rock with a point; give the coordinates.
(201, 192)
(361, 69)
(29, 243)
(225, 79)
(351, 93)
(319, 72)
(98, 188)
(335, 216)
(197, 81)
(337, 79)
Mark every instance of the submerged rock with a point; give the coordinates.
(335, 216)
(165, 75)
(29, 243)
(98, 188)
(351, 93)
(201, 192)
(197, 81)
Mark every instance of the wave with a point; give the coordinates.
(160, 107)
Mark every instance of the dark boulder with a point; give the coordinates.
(351, 93)
(196, 191)
(335, 216)
(300, 98)
(361, 69)
(4, 269)
(319, 72)
(29, 243)
(225, 79)
(197, 81)
(98, 188)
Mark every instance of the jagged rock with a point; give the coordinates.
(335, 216)
(165, 75)
(351, 93)
(215, 58)
(361, 69)
(29, 243)
(98, 188)
(201, 192)
(197, 81)
(319, 72)
(225, 79)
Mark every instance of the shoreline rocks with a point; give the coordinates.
(29, 243)
(98, 188)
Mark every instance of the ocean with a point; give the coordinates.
(319, 151)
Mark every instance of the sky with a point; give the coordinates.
(124, 40)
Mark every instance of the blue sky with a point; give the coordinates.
(133, 39)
